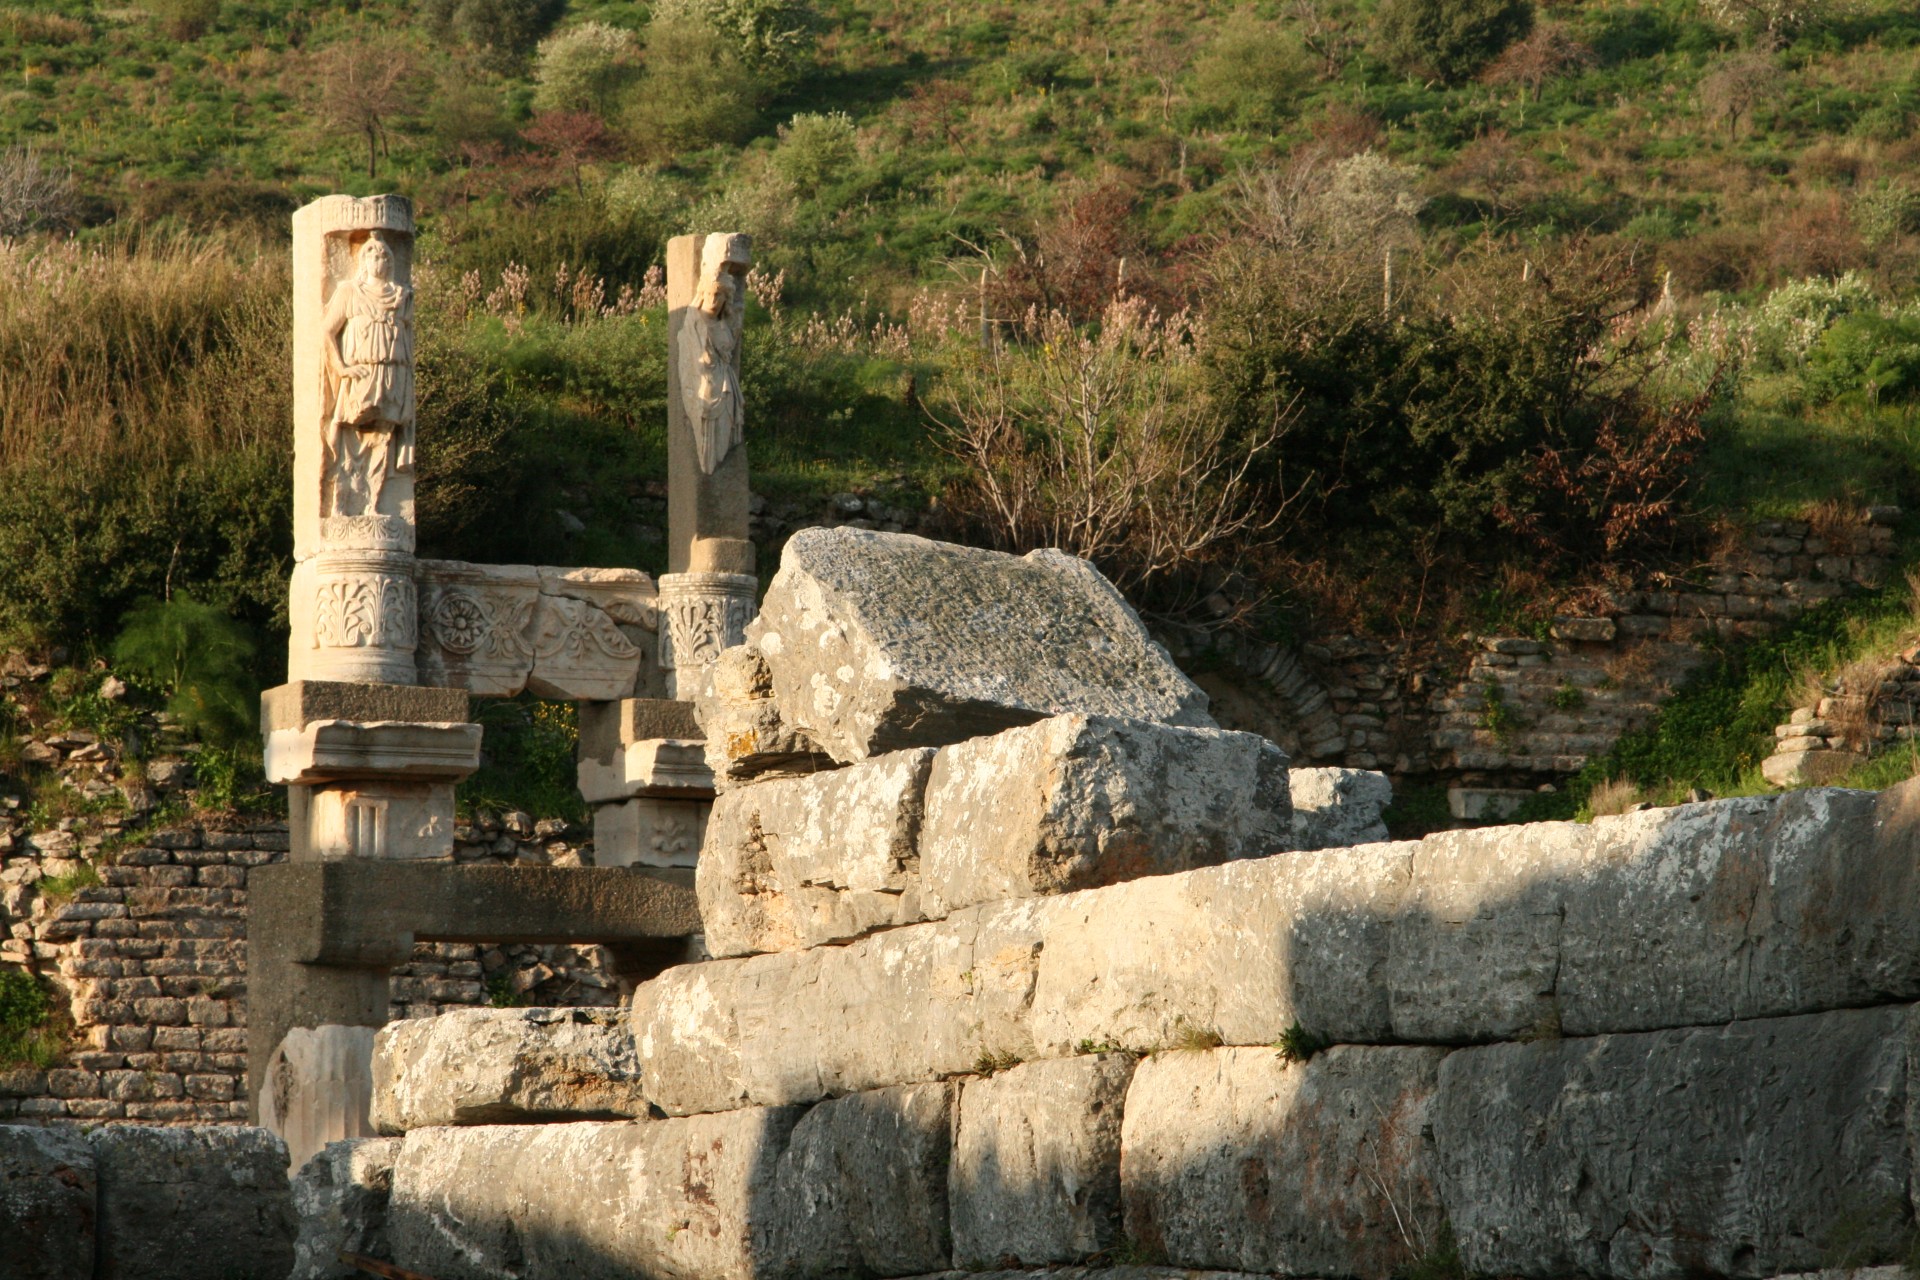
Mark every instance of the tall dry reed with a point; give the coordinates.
(142, 351)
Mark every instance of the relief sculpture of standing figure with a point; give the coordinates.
(369, 346)
(710, 350)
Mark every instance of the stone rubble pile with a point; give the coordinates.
(1862, 712)
(1673, 1042)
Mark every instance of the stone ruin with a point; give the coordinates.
(1007, 958)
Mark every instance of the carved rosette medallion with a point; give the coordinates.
(701, 613)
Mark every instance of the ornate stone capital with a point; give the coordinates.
(703, 613)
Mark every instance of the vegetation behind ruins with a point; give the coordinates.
(1411, 317)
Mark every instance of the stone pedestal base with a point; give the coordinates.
(371, 818)
(649, 833)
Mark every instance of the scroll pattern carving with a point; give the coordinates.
(486, 624)
(572, 630)
(374, 532)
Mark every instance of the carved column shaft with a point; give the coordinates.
(353, 605)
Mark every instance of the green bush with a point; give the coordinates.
(1866, 359)
(184, 19)
(1250, 74)
(817, 149)
(201, 660)
(504, 32)
(1447, 40)
(585, 68)
(774, 38)
(26, 1012)
(697, 91)
(1886, 212)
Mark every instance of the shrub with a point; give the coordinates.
(503, 31)
(1250, 73)
(696, 91)
(1447, 40)
(774, 38)
(34, 196)
(1866, 358)
(26, 1036)
(816, 150)
(1792, 317)
(200, 658)
(585, 68)
(184, 19)
(1886, 212)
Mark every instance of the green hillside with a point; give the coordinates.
(1429, 309)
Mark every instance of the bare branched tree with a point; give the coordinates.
(1098, 443)
(34, 196)
(368, 88)
(1739, 84)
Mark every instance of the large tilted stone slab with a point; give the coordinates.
(797, 862)
(47, 1204)
(1747, 1150)
(504, 1066)
(1079, 801)
(341, 1198)
(1236, 1158)
(877, 642)
(853, 1186)
(746, 734)
(1335, 808)
(1036, 1161)
(184, 1204)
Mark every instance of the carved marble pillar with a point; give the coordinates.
(707, 494)
(353, 603)
(700, 614)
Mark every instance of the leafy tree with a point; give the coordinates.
(503, 31)
(1447, 40)
(200, 658)
(585, 68)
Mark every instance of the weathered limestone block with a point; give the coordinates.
(183, 1204)
(1335, 808)
(504, 1066)
(1815, 767)
(1242, 951)
(1237, 1158)
(862, 1187)
(906, 1005)
(319, 1089)
(746, 734)
(1752, 907)
(1036, 1161)
(1737, 1151)
(371, 818)
(877, 642)
(797, 862)
(299, 703)
(340, 1197)
(47, 1204)
(328, 750)
(1078, 801)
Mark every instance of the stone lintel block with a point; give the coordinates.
(495, 630)
(504, 1066)
(299, 703)
(607, 727)
(797, 862)
(1079, 801)
(331, 750)
(878, 642)
(183, 1203)
(1737, 1150)
(649, 832)
(48, 1205)
(1236, 1158)
(1036, 1161)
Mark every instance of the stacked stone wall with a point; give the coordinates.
(148, 966)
